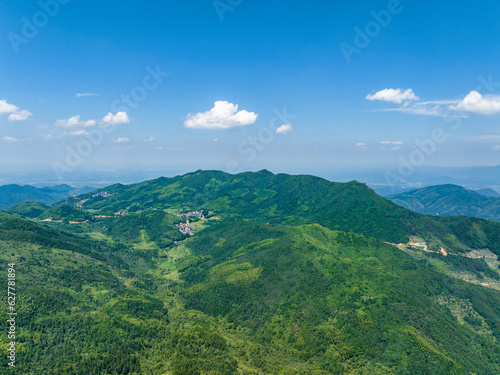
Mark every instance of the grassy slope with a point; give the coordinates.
(324, 301)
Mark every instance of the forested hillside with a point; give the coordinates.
(287, 199)
(256, 273)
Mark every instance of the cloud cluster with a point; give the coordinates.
(78, 133)
(110, 119)
(391, 142)
(392, 145)
(222, 116)
(74, 122)
(14, 112)
(118, 119)
(122, 140)
(473, 102)
(283, 129)
(397, 96)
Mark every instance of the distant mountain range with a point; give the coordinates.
(11, 195)
(451, 200)
(388, 182)
(488, 192)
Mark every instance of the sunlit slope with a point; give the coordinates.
(334, 302)
(242, 297)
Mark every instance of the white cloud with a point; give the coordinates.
(284, 129)
(150, 139)
(50, 137)
(397, 96)
(109, 119)
(215, 140)
(395, 148)
(81, 95)
(118, 119)
(122, 140)
(14, 112)
(74, 122)
(496, 148)
(159, 148)
(360, 144)
(474, 102)
(20, 115)
(79, 133)
(391, 142)
(7, 108)
(10, 139)
(222, 116)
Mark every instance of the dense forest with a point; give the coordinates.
(280, 275)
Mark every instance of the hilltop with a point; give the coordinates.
(287, 199)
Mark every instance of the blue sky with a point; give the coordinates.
(287, 97)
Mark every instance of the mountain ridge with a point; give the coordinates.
(449, 200)
(287, 199)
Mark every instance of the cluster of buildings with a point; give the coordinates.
(198, 214)
(185, 228)
(193, 213)
(423, 246)
(418, 245)
(121, 213)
